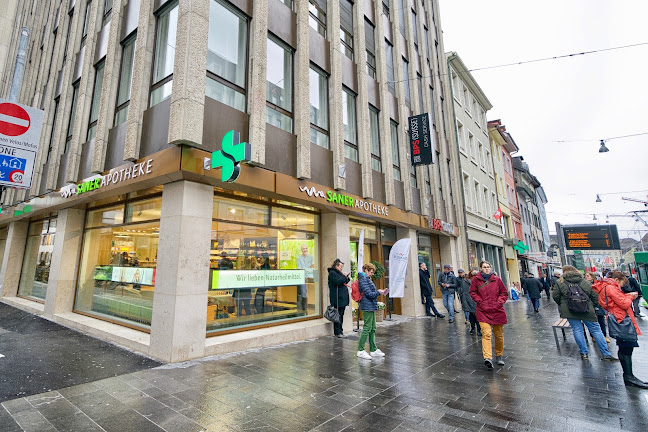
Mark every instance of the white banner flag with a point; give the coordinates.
(398, 259)
(361, 251)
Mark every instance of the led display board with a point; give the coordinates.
(591, 237)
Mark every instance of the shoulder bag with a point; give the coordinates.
(332, 314)
(623, 330)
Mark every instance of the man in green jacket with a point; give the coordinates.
(573, 279)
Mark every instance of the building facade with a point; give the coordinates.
(470, 105)
(202, 163)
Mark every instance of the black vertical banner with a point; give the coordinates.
(420, 139)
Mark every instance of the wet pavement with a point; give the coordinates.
(433, 378)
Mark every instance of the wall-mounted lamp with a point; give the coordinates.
(603, 149)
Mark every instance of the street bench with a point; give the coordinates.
(561, 324)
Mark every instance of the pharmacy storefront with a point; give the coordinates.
(162, 256)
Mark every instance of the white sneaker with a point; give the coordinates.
(363, 355)
(377, 353)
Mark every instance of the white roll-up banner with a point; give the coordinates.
(361, 251)
(398, 260)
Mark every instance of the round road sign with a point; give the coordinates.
(14, 120)
(16, 176)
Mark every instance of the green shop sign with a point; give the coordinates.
(521, 248)
(113, 177)
(346, 200)
(232, 154)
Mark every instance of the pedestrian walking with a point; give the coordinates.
(523, 283)
(448, 283)
(618, 305)
(576, 302)
(463, 289)
(468, 304)
(600, 312)
(554, 279)
(368, 305)
(426, 292)
(338, 293)
(490, 294)
(544, 280)
(534, 288)
(634, 287)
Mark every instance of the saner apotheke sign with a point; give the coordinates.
(112, 178)
(345, 200)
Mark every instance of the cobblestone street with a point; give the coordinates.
(433, 378)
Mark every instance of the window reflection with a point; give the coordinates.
(37, 259)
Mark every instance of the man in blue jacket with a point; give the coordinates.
(448, 284)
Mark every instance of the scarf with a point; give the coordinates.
(486, 276)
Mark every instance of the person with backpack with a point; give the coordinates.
(577, 302)
(338, 293)
(490, 294)
(426, 292)
(534, 288)
(618, 305)
(368, 305)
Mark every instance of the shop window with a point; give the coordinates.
(37, 259)
(317, 16)
(279, 71)
(240, 211)
(262, 274)
(96, 98)
(118, 263)
(162, 84)
(355, 228)
(346, 28)
(125, 78)
(349, 124)
(318, 89)
(227, 56)
(388, 234)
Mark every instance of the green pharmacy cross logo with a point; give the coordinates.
(521, 247)
(233, 152)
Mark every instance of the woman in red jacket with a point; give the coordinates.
(619, 304)
(490, 294)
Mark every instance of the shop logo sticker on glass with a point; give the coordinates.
(232, 154)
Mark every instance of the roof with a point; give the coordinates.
(455, 62)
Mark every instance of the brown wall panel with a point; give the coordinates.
(393, 107)
(115, 148)
(399, 193)
(220, 119)
(353, 177)
(349, 78)
(319, 50)
(244, 5)
(131, 18)
(78, 66)
(281, 151)
(85, 162)
(388, 29)
(372, 92)
(369, 11)
(282, 22)
(416, 201)
(60, 179)
(378, 186)
(155, 128)
(321, 165)
(41, 189)
(102, 42)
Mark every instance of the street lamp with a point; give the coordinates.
(598, 198)
(603, 149)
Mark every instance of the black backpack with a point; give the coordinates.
(577, 300)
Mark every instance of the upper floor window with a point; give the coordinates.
(415, 28)
(370, 43)
(389, 54)
(51, 138)
(406, 82)
(279, 78)
(85, 21)
(70, 131)
(401, 17)
(226, 56)
(67, 37)
(349, 124)
(393, 128)
(108, 5)
(413, 176)
(346, 28)
(125, 79)
(317, 16)
(167, 25)
(374, 138)
(460, 136)
(318, 89)
(96, 98)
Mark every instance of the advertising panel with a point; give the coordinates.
(420, 134)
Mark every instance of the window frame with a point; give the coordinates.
(311, 15)
(99, 66)
(72, 119)
(376, 159)
(353, 146)
(131, 39)
(271, 105)
(393, 129)
(168, 78)
(325, 98)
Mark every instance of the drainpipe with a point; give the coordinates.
(458, 156)
(16, 81)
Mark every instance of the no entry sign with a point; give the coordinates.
(20, 131)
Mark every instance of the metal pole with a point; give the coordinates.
(16, 81)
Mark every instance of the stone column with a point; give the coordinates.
(411, 302)
(13, 258)
(336, 116)
(301, 109)
(335, 244)
(188, 97)
(362, 101)
(257, 80)
(179, 319)
(65, 258)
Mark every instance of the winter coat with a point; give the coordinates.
(424, 281)
(618, 303)
(448, 278)
(490, 299)
(467, 303)
(635, 286)
(338, 291)
(545, 282)
(370, 293)
(533, 287)
(553, 281)
(561, 289)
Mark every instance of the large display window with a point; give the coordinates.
(264, 265)
(118, 262)
(37, 259)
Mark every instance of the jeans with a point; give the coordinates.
(429, 306)
(448, 302)
(368, 330)
(467, 315)
(473, 320)
(595, 331)
(601, 321)
(536, 303)
(337, 327)
(487, 348)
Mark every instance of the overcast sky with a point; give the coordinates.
(590, 97)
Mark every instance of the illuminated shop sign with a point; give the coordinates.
(440, 225)
(227, 279)
(112, 178)
(232, 154)
(346, 200)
